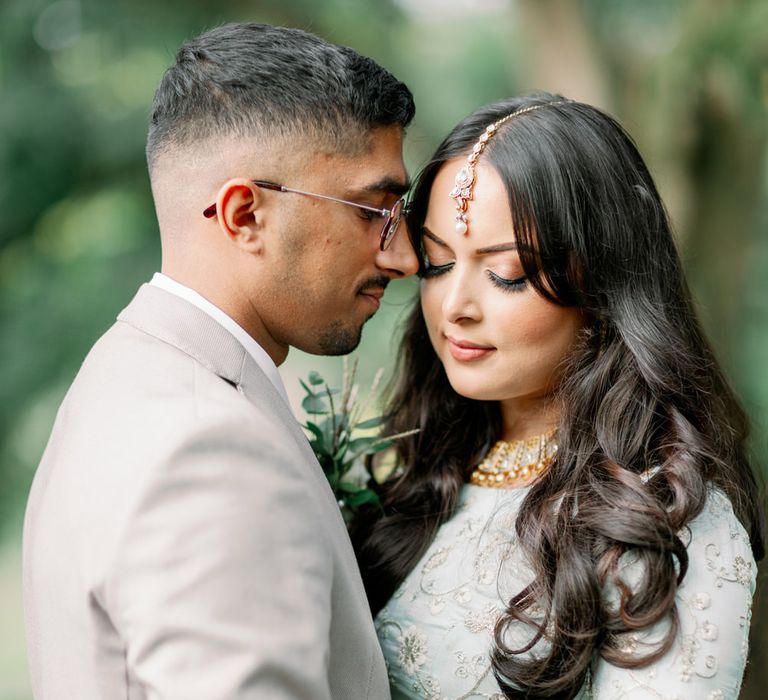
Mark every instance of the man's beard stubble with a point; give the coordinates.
(339, 339)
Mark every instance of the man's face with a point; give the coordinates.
(326, 269)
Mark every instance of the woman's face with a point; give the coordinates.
(498, 339)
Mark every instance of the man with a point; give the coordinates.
(181, 541)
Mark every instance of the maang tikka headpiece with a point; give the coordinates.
(465, 178)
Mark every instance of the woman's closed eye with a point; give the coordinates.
(430, 269)
(508, 285)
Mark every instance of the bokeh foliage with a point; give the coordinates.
(77, 231)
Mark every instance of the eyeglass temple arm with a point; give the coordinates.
(210, 212)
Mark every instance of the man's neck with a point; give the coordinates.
(234, 305)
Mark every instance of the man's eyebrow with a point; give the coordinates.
(389, 185)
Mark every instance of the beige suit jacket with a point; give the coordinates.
(180, 539)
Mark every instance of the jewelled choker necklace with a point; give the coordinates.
(513, 463)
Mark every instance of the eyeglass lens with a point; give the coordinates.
(391, 224)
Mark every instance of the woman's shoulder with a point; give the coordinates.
(718, 545)
(713, 602)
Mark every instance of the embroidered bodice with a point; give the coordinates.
(437, 629)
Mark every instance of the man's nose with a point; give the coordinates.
(399, 259)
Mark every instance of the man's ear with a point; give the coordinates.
(239, 214)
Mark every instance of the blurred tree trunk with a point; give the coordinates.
(560, 52)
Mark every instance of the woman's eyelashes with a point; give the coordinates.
(431, 270)
(506, 285)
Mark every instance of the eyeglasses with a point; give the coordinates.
(391, 216)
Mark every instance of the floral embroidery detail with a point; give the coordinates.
(413, 650)
(470, 667)
(432, 687)
(710, 664)
(438, 558)
(709, 631)
(463, 595)
(436, 605)
(701, 601)
(688, 657)
(484, 621)
(742, 570)
(437, 630)
(486, 577)
(628, 643)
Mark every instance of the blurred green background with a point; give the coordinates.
(77, 232)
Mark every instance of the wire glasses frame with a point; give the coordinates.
(391, 216)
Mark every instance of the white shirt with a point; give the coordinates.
(258, 353)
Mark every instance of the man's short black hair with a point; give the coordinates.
(251, 79)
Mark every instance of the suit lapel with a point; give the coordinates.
(175, 321)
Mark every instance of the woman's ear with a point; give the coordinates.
(239, 213)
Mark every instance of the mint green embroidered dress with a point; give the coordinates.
(436, 630)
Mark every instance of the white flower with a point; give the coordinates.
(413, 650)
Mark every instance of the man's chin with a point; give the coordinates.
(339, 339)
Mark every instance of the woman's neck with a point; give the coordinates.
(522, 418)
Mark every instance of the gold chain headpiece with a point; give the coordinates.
(465, 178)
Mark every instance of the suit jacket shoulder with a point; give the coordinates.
(180, 534)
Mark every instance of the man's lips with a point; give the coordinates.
(373, 295)
(465, 351)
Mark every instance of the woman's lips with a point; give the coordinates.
(464, 351)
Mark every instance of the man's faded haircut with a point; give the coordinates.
(247, 79)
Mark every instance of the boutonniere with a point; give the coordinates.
(342, 435)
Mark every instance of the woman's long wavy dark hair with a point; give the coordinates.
(641, 390)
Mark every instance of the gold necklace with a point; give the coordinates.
(509, 463)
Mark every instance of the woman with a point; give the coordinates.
(577, 516)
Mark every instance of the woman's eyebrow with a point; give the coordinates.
(498, 248)
(433, 237)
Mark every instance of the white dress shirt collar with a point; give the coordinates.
(251, 346)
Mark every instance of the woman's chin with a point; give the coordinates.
(476, 390)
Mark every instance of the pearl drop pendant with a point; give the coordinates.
(461, 227)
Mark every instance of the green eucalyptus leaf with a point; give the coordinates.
(381, 446)
(315, 378)
(372, 423)
(314, 405)
(360, 445)
(349, 487)
(362, 497)
(316, 430)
